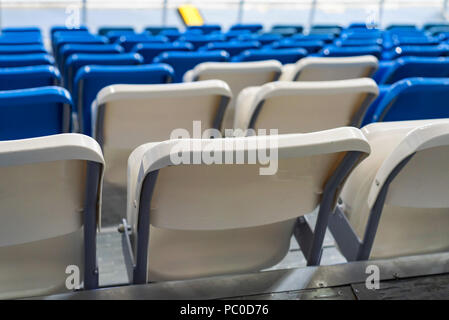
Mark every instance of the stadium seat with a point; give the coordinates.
(129, 41)
(69, 49)
(280, 28)
(184, 61)
(22, 49)
(253, 28)
(335, 51)
(55, 29)
(413, 99)
(21, 30)
(34, 112)
(205, 28)
(408, 67)
(103, 31)
(201, 40)
(297, 107)
(327, 69)
(60, 41)
(172, 35)
(264, 39)
(154, 30)
(326, 38)
(78, 60)
(114, 35)
(396, 200)
(417, 51)
(238, 75)
(28, 77)
(237, 219)
(149, 51)
(358, 42)
(48, 222)
(91, 79)
(22, 60)
(232, 47)
(23, 40)
(312, 46)
(130, 115)
(282, 55)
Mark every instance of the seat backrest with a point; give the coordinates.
(408, 67)
(35, 112)
(419, 51)
(335, 51)
(184, 61)
(149, 51)
(199, 40)
(91, 79)
(252, 27)
(103, 31)
(78, 60)
(44, 187)
(232, 47)
(312, 46)
(28, 77)
(22, 60)
(22, 49)
(282, 55)
(155, 30)
(129, 41)
(237, 219)
(238, 75)
(71, 48)
(294, 107)
(127, 116)
(340, 68)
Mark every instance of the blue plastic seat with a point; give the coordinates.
(114, 35)
(325, 37)
(91, 79)
(22, 60)
(154, 30)
(408, 67)
(22, 49)
(384, 67)
(182, 62)
(402, 27)
(417, 51)
(78, 60)
(355, 34)
(12, 39)
(28, 77)
(206, 28)
(252, 27)
(149, 51)
(103, 31)
(35, 112)
(129, 41)
(358, 42)
(201, 40)
(296, 27)
(60, 41)
(55, 29)
(231, 35)
(326, 26)
(21, 30)
(71, 48)
(233, 47)
(172, 35)
(414, 99)
(312, 46)
(264, 39)
(334, 51)
(282, 55)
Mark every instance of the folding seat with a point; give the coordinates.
(358, 42)
(201, 40)
(312, 46)
(358, 25)
(327, 69)
(230, 35)
(78, 60)
(417, 51)
(103, 31)
(172, 35)
(71, 48)
(307, 106)
(21, 30)
(253, 28)
(34, 112)
(362, 35)
(413, 99)
(157, 30)
(326, 38)
(232, 47)
(395, 202)
(326, 26)
(21, 60)
(415, 41)
(408, 67)
(60, 41)
(114, 35)
(66, 29)
(182, 62)
(436, 31)
(238, 75)
(22, 49)
(50, 206)
(129, 41)
(428, 26)
(334, 51)
(286, 29)
(149, 51)
(230, 219)
(205, 28)
(20, 40)
(264, 39)
(384, 67)
(91, 79)
(282, 55)
(127, 116)
(402, 27)
(28, 77)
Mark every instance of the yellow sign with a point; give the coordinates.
(190, 15)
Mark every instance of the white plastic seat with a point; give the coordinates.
(238, 75)
(293, 107)
(46, 220)
(208, 219)
(328, 69)
(127, 116)
(415, 216)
